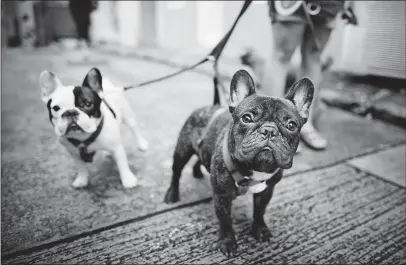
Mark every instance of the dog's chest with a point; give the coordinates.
(260, 176)
(257, 188)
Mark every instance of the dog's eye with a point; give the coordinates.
(291, 126)
(56, 108)
(246, 118)
(88, 104)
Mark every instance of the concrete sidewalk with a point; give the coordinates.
(344, 205)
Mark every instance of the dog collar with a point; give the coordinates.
(241, 182)
(82, 145)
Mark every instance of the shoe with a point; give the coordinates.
(312, 138)
(299, 149)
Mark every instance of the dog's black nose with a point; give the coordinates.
(271, 131)
(70, 113)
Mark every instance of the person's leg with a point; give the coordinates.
(85, 27)
(74, 10)
(80, 11)
(286, 36)
(311, 67)
(86, 20)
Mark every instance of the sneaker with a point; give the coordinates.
(312, 138)
(299, 148)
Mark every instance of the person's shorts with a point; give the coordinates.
(326, 17)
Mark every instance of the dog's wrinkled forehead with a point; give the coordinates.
(267, 107)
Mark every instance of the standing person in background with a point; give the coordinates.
(80, 11)
(307, 24)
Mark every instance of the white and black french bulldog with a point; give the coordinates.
(245, 149)
(87, 118)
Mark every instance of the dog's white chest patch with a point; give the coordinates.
(260, 176)
(257, 188)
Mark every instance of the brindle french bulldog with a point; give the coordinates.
(245, 149)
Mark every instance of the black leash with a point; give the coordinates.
(213, 56)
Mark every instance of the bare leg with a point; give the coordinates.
(286, 37)
(311, 67)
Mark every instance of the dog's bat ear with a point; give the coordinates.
(48, 83)
(93, 80)
(301, 94)
(242, 86)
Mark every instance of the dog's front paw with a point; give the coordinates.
(129, 180)
(172, 195)
(228, 246)
(81, 181)
(260, 232)
(143, 145)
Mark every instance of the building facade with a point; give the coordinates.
(375, 46)
(190, 25)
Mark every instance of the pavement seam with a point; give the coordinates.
(345, 160)
(376, 176)
(50, 243)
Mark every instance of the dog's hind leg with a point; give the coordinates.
(183, 152)
(197, 172)
(129, 119)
